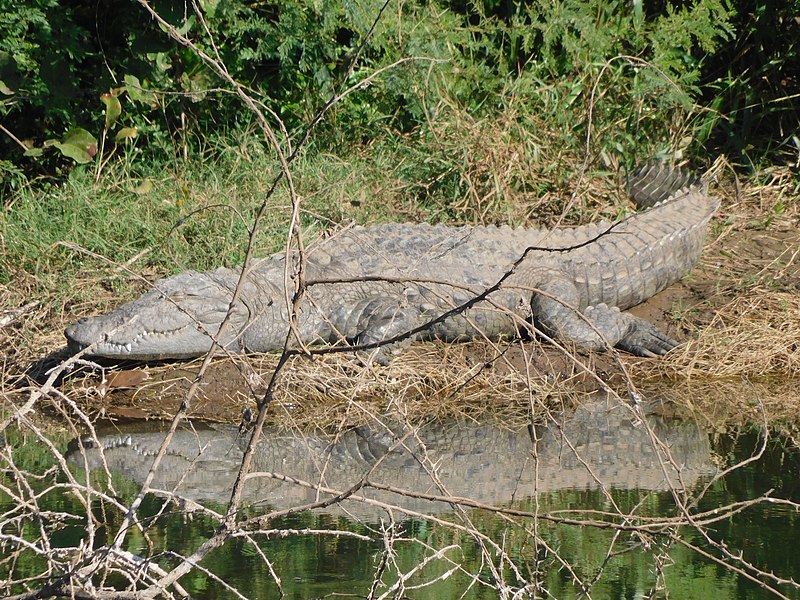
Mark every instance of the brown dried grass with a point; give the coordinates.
(755, 335)
(504, 174)
(428, 382)
(433, 382)
(747, 329)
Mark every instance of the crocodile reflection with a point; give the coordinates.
(598, 443)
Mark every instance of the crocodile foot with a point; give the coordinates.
(644, 339)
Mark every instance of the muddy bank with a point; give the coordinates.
(738, 313)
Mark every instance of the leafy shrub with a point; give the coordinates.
(752, 84)
(624, 75)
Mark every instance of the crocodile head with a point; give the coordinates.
(176, 319)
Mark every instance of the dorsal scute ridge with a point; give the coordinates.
(571, 236)
(377, 248)
(655, 183)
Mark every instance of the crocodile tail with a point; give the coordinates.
(654, 182)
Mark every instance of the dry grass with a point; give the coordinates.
(428, 382)
(504, 171)
(755, 336)
(432, 382)
(744, 321)
(722, 404)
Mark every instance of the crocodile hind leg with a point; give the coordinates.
(596, 327)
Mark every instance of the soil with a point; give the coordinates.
(437, 377)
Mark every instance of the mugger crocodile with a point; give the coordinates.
(601, 443)
(370, 285)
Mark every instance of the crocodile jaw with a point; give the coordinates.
(132, 342)
(174, 320)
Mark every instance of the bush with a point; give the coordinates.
(638, 70)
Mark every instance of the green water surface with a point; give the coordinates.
(608, 564)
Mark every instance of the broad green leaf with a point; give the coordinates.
(113, 109)
(5, 89)
(183, 29)
(79, 145)
(209, 6)
(137, 94)
(80, 137)
(126, 133)
(79, 155)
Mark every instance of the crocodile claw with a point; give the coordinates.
(644, 339)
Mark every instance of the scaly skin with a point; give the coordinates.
(372, 284)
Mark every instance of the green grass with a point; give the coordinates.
(196, 214)
(196, 211)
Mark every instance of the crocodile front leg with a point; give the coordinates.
(556, 310)
(362, 313)
(382, 318)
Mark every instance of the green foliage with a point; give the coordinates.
(41, 52)
(665, 77)
(79, 145)
(752, 84)
(481, 114)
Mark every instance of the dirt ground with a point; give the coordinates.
(738, 313)
(747, 281)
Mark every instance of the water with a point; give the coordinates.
(568, 540)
